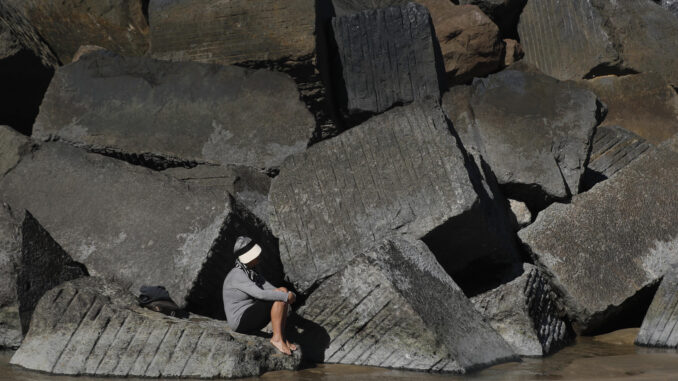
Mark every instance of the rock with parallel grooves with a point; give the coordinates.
(526, 312)
(386, 58)
(66, 25)
(394, 306)
(533, 131)
(127, 222)
(92, 327)
(181, 112)
(659, 326)
(401, 171)
(612, 242)
(43, 266)
(19, 32)
(613, 149)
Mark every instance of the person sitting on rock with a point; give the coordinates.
(250, 301)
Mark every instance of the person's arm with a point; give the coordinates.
(250, 288)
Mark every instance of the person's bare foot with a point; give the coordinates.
(292, 346)
(281, 346)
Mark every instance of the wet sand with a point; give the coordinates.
(607, 357)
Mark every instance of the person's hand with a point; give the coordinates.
(291, 298)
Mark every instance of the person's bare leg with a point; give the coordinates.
(284, 328)
(277, 320)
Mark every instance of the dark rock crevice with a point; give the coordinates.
(605, 69)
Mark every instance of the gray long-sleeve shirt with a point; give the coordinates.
(239, 293)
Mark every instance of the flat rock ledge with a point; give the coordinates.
(90, 327)
(394, 306)
(661, 319)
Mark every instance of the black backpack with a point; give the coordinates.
(156, 298)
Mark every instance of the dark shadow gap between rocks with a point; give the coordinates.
(148, 160)
(606, 69)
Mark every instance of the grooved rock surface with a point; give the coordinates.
(613, 149)
(13, 146)
(394, 306)
(642, 103)
(43, 266)
(17, 32)
(533, 131)
(386, 58)
(527, 314)
(659, 325)
(90, 327)
(122, 221)
(66, 25)
(175, 112)
(612, 241)
(400, 172)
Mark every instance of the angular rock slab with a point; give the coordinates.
(10, 328)
(505, 13)
(394, 306)
(10, 254)
(175, 112)
(66, 25)
(659, 325)
(644, 104)
(122, 221)
(386, 58)
(526, 312)
(13, 146)
(401, 171)
(91, 327)
(533, 131)
(612, 241)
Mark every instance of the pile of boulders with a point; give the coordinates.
(446, 184)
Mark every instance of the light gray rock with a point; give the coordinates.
(127, 222)
(521, 213)
(394, 306)
(611, 243)
(658, 329)
(13, 146)
(400, 172)
(533, 131)
(169, 113)
(10, 328)
(526, 312)
(10, 252)
(670, 5)
(399, 67)
(91, 327)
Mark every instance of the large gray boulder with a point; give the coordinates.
(43, 266)
(10, 253)
(401, 172)
(527, 313)
(399, 67)
(92, 327)
(175, 113)
(533, 131)
(394, 306)
(130, 223)
(610, 245)
(658, 329)
(588, 38)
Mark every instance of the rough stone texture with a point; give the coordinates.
(118, 26)
(671, 5)
(170, 113)
(400, 172)
(533, 131)
(659, 325)
(394, 306)
(527, 314)
(90, 327)
(613, 149)
(127, 222)
(643, 103)
(587, 38)
(505, 13)
(386, 57)
(13, 146)
(611, 242)
(43, 266)
(85, 50)
(10, 252)
(514, 52)
(10, 328)
(521, 214)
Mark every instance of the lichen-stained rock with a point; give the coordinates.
(658, 329)
(400, 172)
(527, 314)
(611, 242)
(125, 222)
(533, 131)
(642, 103)
(13, 146)
(394, 306)
(175, 112)
(613, 149)
(43, 266)
(118, 26)
(91, 327)
(386, 58)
